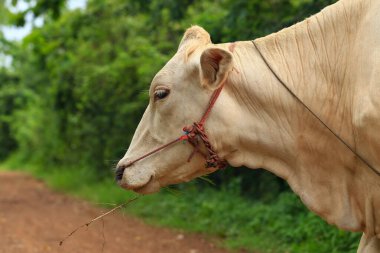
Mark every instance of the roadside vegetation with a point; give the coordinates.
(77, 87)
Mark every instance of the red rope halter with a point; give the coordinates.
(193, 134)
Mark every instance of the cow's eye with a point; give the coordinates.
(161, 94)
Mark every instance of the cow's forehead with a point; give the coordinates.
(172, 69)
(164, 76)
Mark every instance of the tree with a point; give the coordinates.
(48, 9)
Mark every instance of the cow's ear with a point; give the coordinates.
(215, 65)
(194, 36)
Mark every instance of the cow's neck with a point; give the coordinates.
(315, 59)
(300, 149)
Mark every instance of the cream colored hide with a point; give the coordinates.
(330, 60)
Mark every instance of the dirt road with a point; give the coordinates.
(34, 219)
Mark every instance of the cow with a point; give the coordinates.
(302, 103)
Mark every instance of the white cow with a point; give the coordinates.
(331, 61)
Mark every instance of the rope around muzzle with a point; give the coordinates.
(194, 134)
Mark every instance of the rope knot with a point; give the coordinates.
(199, 126)
(197, 132)
(214, 161)
(190, 132)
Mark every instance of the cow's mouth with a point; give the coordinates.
(143, 186)
(151, 186)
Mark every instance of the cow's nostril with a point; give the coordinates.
(119, 173)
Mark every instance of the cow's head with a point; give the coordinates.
(179, 94)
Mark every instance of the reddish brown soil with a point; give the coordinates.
(34, 219)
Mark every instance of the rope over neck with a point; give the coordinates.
(361, 158)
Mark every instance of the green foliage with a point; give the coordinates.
(10, 99)
(3, 11)
(76, 91)
(256, 18)
(38, 8)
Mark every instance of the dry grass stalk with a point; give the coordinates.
(98, 218)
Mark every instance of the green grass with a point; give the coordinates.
(282, 226)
